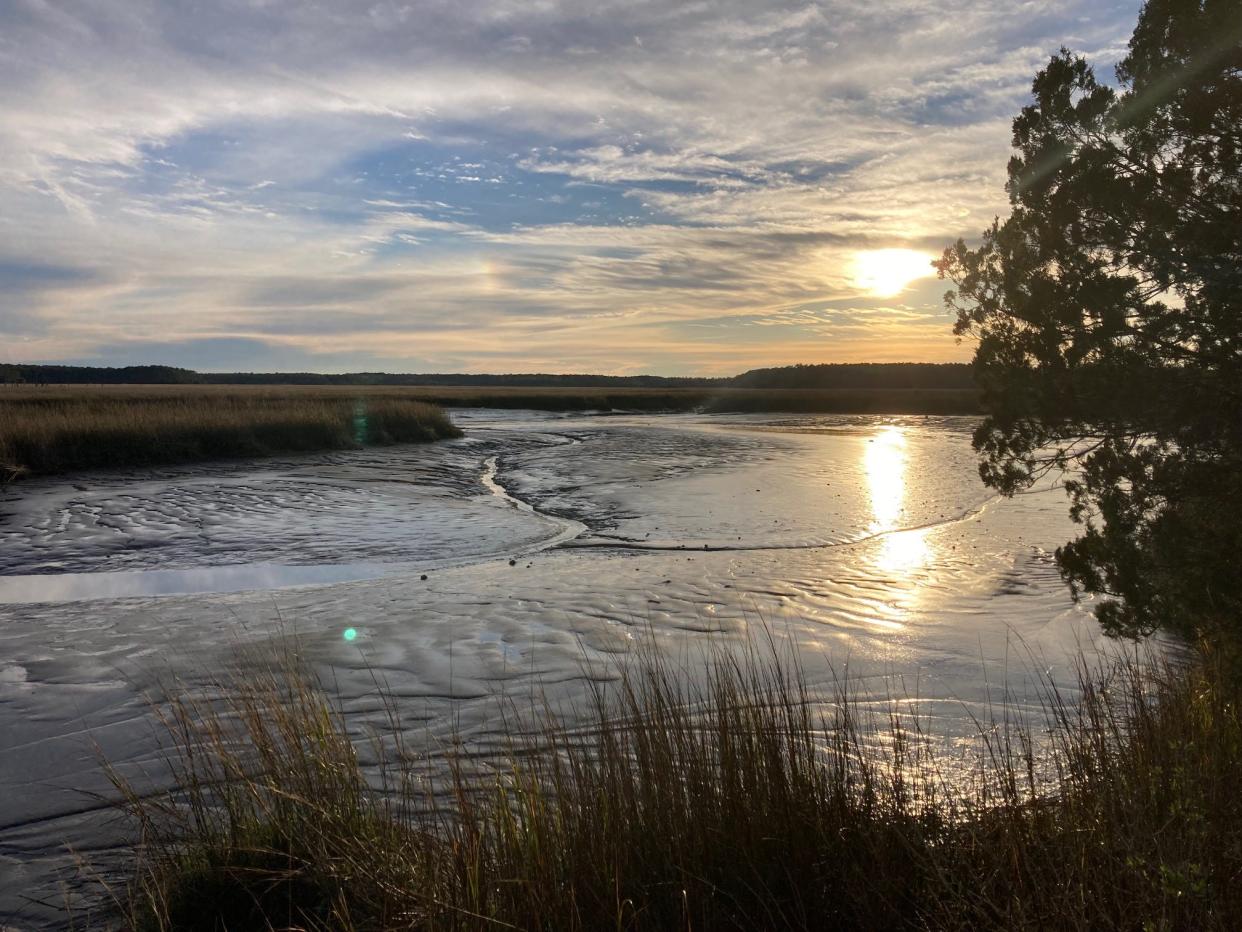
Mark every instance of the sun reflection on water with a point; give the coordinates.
(886, 464)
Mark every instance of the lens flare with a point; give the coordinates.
(349, 634)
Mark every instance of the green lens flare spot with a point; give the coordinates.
(350, 634)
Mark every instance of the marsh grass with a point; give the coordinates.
(61, 430)
(718, 399)
(732, 798)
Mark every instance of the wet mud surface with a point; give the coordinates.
(526, 559)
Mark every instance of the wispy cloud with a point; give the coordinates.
(460, 184)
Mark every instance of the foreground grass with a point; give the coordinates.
(737, 803)
(60, 430)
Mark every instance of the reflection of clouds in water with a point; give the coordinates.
(886, 463)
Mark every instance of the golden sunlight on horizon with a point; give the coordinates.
(884, 273)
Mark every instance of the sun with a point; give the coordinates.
(885, 272)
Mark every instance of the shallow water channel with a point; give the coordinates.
(528, 555)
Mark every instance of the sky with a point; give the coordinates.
(612, 186)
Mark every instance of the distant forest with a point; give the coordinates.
(860, 375)
(836, 375)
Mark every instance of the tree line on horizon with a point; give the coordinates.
(803, 376)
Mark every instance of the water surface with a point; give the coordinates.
(527, 556)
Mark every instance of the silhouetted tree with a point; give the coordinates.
(1108, 313)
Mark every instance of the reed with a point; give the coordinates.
(57, 431)
(732, 798)
(715, 399)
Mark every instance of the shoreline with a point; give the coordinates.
(48, 430)
(714, 400)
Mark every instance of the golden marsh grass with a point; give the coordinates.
(61, 429)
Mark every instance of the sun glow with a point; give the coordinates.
(885, 272)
